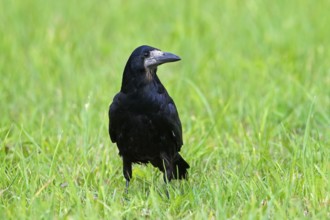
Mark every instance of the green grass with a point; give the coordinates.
(252, 90)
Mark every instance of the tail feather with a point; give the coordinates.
(180, 168)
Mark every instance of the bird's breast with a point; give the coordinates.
(143, 136)
(144, 103)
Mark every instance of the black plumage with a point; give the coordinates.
(143, 119)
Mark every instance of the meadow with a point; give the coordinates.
(252, 90)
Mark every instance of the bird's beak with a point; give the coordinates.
(158, 57)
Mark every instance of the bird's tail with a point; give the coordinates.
(180, 168)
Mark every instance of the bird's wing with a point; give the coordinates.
(113, 116)
(172, 122)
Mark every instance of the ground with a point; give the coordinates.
(252, 90)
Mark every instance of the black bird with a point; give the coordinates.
(143, 119)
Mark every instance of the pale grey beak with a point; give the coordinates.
(158, 57)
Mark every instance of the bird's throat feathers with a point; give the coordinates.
(139, 81)
(150, 73)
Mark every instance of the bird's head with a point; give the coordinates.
(145, 59)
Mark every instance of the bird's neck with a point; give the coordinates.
(140, 82)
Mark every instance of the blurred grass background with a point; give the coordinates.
(252, 90)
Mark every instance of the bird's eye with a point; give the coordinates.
(146, 54)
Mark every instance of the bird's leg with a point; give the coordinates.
(168, 172)
(167, 177)
(167, 193)
(168, 168)
(127, 185)
(127, 171)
